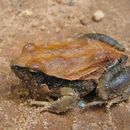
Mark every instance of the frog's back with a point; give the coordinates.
(78, 59)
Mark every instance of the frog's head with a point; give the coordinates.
(20, 72)
(30, 77)
(20, 66)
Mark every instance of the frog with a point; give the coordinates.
(59, 75)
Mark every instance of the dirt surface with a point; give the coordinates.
(40, 21)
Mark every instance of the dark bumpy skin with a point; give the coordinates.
(113, 86)
(80, 86)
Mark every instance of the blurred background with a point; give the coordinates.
(40, 21)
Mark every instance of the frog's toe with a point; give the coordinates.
(44, 105)
(125, 95)
(38, 103)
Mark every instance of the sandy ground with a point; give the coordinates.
(40, 21)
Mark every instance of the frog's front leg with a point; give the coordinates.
(69, 98)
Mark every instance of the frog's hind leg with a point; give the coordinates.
(114, 87)
(69, 98)
(104, 38)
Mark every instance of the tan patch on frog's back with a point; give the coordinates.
(72, 60)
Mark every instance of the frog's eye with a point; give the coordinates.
(29, 47)
(33, 72)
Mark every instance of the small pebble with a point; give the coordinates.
(43, 28)
(98, 16)
(35, 24)
(99, 123)
(58, 29)
(81, 104)
(26, 13)
(83, 21)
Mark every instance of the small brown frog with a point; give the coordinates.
(64, 72)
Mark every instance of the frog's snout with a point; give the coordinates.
(16, 68)
(13, 67)
(19, 71)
